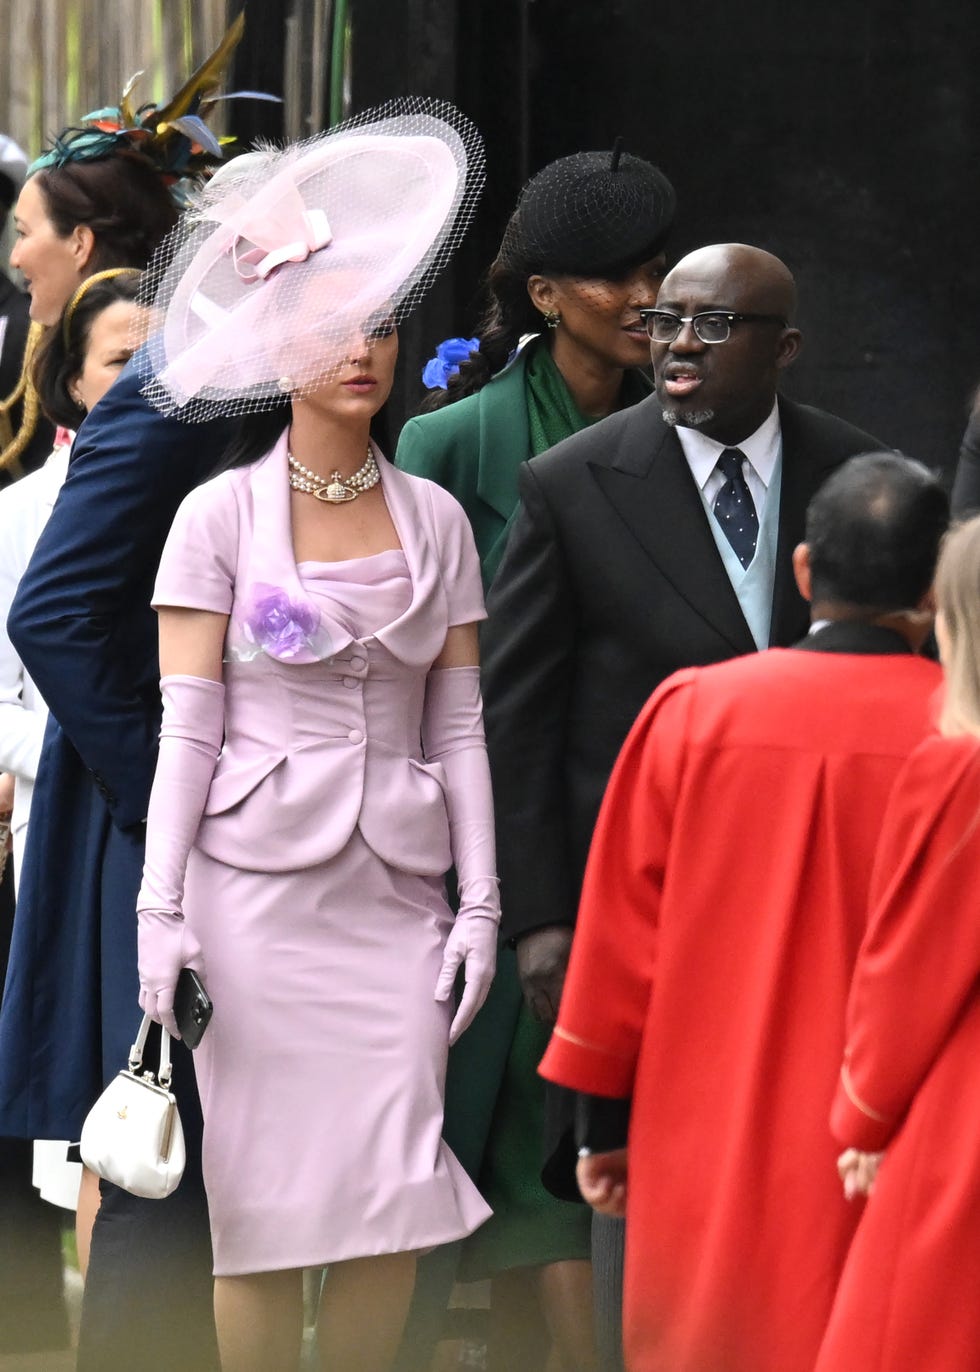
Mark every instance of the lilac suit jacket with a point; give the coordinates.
(324, 737)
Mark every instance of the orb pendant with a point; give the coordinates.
(336, 493)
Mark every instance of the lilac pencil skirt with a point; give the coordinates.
(323, 1069)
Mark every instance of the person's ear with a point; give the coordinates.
(82, 245)
(544, 294)
(801, 570)
(789, 347)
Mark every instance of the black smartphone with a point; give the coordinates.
(192, 1007)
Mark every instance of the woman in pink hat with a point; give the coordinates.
(322, 760)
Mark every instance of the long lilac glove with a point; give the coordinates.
(452, 734)
(190, 740)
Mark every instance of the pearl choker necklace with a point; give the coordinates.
(337, 489)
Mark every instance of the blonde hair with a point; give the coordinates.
(958, 598)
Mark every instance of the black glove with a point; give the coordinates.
(542, 961)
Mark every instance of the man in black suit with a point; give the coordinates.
(657, 539)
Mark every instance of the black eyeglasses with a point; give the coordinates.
(711, 326)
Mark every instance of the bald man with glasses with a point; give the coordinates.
(656, 539)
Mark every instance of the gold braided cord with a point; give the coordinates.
(14, 444)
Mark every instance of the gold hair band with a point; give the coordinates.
(79, 295)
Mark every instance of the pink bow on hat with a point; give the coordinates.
(283, 231)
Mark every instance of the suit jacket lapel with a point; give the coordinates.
(646, 478)
(802, 474)
(797, 487)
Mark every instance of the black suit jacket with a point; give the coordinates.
(610, 582)
(965, 498)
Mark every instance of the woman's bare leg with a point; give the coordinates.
(566, 1301)
(362, 1312)
(89, 1200)
(541, 1319)
(259, 1319)
(518, 1336)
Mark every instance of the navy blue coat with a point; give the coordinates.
(82, 624)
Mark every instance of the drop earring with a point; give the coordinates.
(552, 318)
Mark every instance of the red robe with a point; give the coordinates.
(723, 906)
(909, 1299)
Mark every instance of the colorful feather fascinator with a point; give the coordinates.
(289, 257)
(173, 136)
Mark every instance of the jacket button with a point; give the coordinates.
(358, 662)
(350, 682)
(355, 736)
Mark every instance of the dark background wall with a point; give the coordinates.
(842, 135)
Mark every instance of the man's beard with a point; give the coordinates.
(690, 419)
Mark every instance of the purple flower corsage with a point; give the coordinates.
(449, 355)
(285, 629)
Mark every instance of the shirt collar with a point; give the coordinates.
(761, 448)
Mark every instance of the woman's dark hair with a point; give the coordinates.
(121, 198)
(593, 214)
(253, 436)
(256, 434)
(507, 315)
(61, 354)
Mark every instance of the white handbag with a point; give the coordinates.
(132, 1135)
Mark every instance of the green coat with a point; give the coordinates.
(473, 449)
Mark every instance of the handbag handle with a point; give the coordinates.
(136, 1053)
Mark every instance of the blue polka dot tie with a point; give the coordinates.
(734, 507)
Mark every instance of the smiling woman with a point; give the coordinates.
(72, 372)
(77, 215)
(106, 192)
(82, 217)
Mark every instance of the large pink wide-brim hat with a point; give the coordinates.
(290, 256)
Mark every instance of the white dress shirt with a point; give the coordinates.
(25, 508)
(761, 450)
